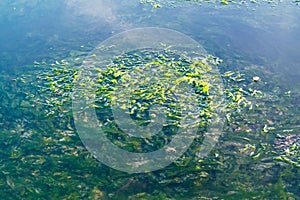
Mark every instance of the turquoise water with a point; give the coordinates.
(42, 156)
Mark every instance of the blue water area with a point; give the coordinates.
(43, 43)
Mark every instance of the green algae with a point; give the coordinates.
(244, 156)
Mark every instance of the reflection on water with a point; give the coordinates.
(260, 42)
(33, 30)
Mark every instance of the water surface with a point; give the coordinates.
(42, 156)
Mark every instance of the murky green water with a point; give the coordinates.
(43, 45)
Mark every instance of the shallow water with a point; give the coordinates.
(42, 156)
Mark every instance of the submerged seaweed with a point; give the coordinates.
(42, 156)
(45, 139)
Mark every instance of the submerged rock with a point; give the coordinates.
(285, 142)
(256, 78)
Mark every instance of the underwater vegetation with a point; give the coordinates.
(147, 78)
(256, 157)
(40, 134)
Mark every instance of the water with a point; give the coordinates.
(42, 156)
